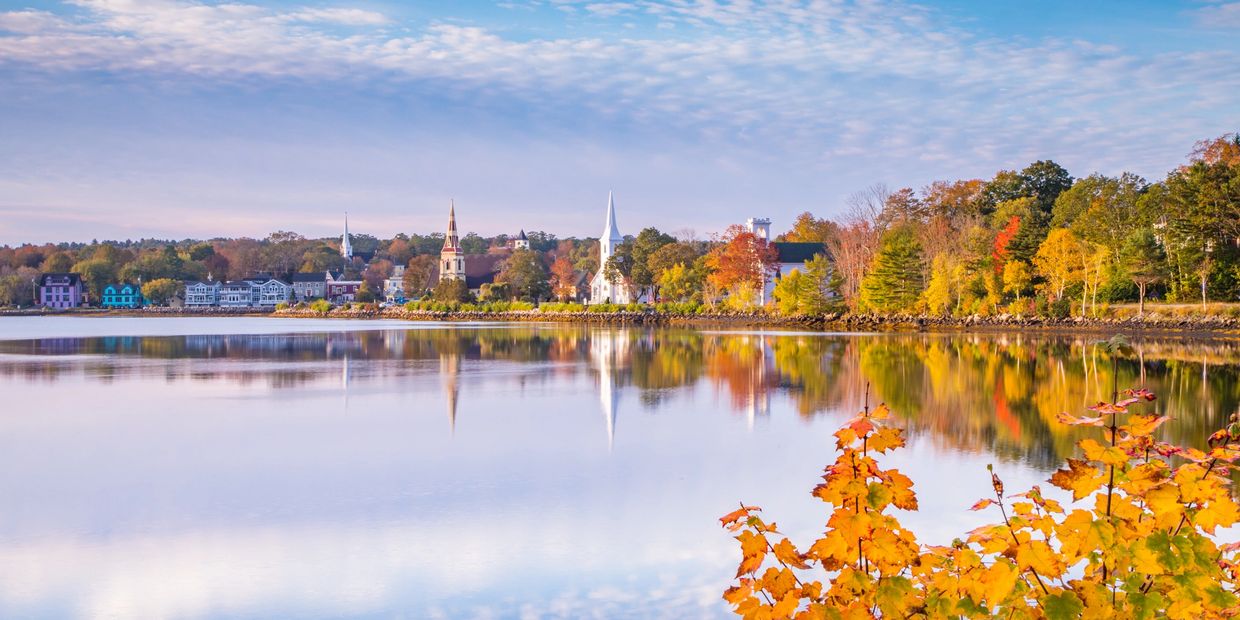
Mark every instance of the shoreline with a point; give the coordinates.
(1152, 324)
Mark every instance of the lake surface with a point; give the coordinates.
(249, 467)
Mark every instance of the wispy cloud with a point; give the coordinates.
(1219, 15)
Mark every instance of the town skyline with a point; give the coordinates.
(173, 119)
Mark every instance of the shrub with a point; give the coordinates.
(282, 306)
(321, 306)
(1141, 545)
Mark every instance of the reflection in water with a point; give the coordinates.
(313, 474)
(976, 392)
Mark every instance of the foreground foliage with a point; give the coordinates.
(1137, 539)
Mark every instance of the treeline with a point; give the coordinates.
(1038, 241)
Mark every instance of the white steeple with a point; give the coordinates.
(601, 289)
(611, 234)
(346, 247)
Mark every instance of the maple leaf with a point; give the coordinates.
(885, 439)
(787, 553)
(982, 503)
(1108, 455)
(861, 426)
(1080, 477)
(1143, 425)
(1067, 418)
(1062, 606)
(881, 412)
(736, 515)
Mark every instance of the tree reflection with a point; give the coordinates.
(993, 392)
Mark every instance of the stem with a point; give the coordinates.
(1016, 541)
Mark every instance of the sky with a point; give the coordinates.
(137, 119)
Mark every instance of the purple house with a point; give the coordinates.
(61, 290)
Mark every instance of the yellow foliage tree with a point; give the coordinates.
(1059, 261)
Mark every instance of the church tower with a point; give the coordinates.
(451, 258)
(601, 289)
(346, 246)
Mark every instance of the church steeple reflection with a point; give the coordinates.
(449, 372)
(608, 349)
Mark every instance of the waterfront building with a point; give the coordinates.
(272, 292)
(603, 290)
(311, 286)
(121, 296)
(791, 255)
(61, 290)
(238, 294)
(199, 294)
(341, 291)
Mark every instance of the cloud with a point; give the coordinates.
(1219, 15)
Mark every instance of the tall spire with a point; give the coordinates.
(346, 246)
(610, 231)
(451, 240)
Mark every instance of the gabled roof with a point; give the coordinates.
(73, 278)
(790, 252)
(522, 237)
(212, 283)
(314, 276)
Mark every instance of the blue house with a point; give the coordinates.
(122, 296)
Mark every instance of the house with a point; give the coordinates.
(199, 294)
(272, 292)
(790, 255)
(121, 296)
(340, 291)
(309, 286)
(238, 294)
(61, 290)
(394, 287)
(603, 290)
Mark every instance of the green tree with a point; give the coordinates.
(1145, 262)
(451, 290)
(96, 273)
(894, 282)
(680, 283)
(808, 291)
(525, 273)
(58, 262)
(646, 244)
(161, 291)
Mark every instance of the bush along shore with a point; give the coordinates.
(685, 314)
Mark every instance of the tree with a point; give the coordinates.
(1017, 276)
(1144, 261)
(524, 272)
(376, 272)
(161, 291)
(809, 229)
(563, 278)
(58, 262)
(451, 290)
(679, 253)
(741, 260)
(1044, 181)
(680, 282)
(418, 275)
(894, 282)
(646, 244)
(857, 239)
(943, 288)
(1223, 149)
(806, 292)
(96, 274)
(1059, 260)
(494, 291)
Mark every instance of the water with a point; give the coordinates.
(248, 467)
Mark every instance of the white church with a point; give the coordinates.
(603, 290)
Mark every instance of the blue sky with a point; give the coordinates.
(168, 118)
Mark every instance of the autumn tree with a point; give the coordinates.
(806, 291)
(856, 240)
(809, 229)
(1059, 261)
(451, 290)
(563, 278)
(418, 274)
(161, 291)
(741, 261)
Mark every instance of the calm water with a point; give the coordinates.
(270, 468)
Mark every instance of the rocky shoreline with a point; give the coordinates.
(1152, 323)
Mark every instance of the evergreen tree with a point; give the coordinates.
(894, 282)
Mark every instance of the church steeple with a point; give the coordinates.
(451, 259)
(346, 246)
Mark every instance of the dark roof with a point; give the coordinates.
(790, 252)
(72, 277)
(522, 237)
(314, 276)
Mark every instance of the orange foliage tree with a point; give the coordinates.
(1136, 541)
(740, 259)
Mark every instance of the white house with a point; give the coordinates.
(791, 255)
(200, 294)
(603, 290)
(394, 287)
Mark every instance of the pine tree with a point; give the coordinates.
(895, 280)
